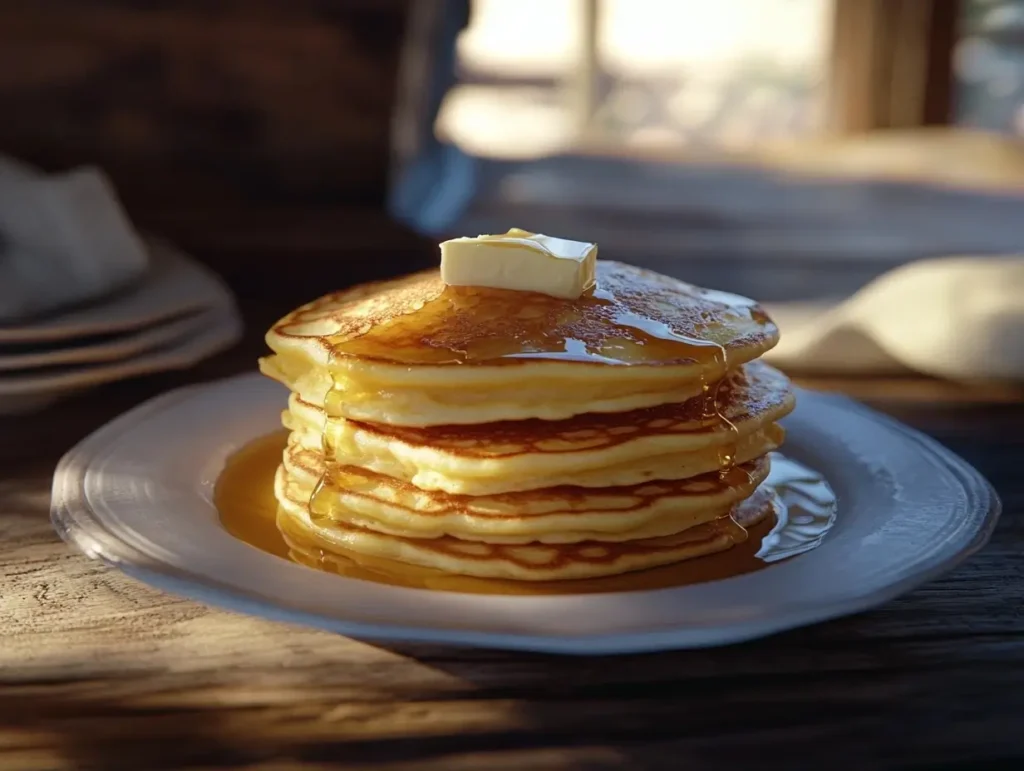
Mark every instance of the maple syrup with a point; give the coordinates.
(244, 496)
(600, 327)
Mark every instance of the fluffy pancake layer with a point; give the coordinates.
(554, 515)
(530, 561)
(411, 352)
(672, 441)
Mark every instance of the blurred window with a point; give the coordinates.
(784, 149)
(536, 77)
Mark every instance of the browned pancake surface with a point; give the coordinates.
(632, 316)
(756, 392)
(564, 499)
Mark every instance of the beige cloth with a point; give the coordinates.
(960, 318)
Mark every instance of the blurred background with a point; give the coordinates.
(792, 150)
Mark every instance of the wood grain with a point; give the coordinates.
(98, 671)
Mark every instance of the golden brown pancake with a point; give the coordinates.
(414, 352)
(671, 441)
(557, 515)
(515, 435)
(524, 562)
(757, 392)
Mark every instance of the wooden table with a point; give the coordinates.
(98, 671)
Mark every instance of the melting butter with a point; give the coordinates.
(520, 261)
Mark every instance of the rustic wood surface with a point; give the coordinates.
(98, 671)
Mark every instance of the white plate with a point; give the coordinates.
(107, 348)
(138, 494)
(25, 392)
(174, 286)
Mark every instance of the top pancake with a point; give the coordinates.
(415, 352)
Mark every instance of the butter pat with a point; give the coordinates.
(520, 261)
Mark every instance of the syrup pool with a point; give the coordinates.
(804, 511)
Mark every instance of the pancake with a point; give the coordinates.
(514, 435)
(671, 441)
(412, 352)
(556, 515)
(317, 540)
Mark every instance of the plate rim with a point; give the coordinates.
(118, 347)
(224, 330)
(69, 509)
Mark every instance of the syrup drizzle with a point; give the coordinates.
(709, 354)
(320, 499)
(600, 327)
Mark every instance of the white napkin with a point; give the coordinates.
(64, 239)
(960, 318)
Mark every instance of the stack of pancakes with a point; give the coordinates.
(515, 435)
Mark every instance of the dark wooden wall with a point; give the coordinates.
(250, 131)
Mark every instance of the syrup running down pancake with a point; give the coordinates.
(514, 435)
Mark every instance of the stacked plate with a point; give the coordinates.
(177, 314)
